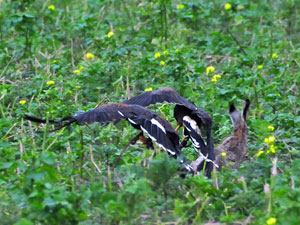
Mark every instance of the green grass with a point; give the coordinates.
(66, 177)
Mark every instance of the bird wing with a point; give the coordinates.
(159, 96)
(106, 113)
(158, 129)
(168, 95)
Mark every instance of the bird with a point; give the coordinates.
(187, 115)
(158, 129)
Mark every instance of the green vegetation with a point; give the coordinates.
(61, 57)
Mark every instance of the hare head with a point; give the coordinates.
(232, 151)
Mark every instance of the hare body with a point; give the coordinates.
(235, 146)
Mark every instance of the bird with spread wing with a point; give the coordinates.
(158, 129)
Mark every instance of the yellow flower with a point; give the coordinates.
(148, 89)
(50, 82)
(260, 67)
(271, 139)
(274, 56)
(22, 102)
(227, 6)
(180, 6)
(271, 221)
(166, 52)
(278, 95)
(271, 128)
(110, 34)
(54, 61)
(76, 72)
(272, 149)
(162, 63)
(259, 153)
(51, 7)
(81, 68)
(223, 154)
(89, 55)
(210, 69)
(157, 55)
(215, 77)
(214, 80)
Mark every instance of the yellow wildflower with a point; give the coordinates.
(210, 69)
(148, 89)
(223, 154)
(227, 6)
(50, 82)
(166, 52)
(274, 56)
(271, 139)
(162, 63)
(89, 55)
(110, 34)
(271, 221)
(157, 55)
(214, 80)
(271, 128)
(272, 149)
(54, 61)
(81, 68)
(180, 6)
(22, 102)
(51, 7)
(260, 67)
(259, 153)
(76, 72)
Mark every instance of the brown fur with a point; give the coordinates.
(235, 146)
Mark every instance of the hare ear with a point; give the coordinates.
(235, 115)
(246, 109)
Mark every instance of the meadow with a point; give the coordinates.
(58, 58)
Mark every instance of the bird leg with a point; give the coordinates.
(146, 141)
(134, 140)
(183, 143)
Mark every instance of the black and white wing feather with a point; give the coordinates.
(158, 129)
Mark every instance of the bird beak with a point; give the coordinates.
(177, 128)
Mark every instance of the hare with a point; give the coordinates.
(234, 146)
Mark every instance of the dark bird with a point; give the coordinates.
(187, 115)
(158, 129)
